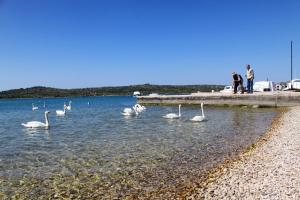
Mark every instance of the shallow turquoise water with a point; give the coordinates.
(94, 152)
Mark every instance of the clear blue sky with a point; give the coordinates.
(90, 43)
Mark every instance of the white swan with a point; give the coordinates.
(69, 106)
(173, 115)
(61, 112)
(129, 112)
(199, 118)
(139, 108)
(34, 107)
(36, 124)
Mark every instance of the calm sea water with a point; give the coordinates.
(94, 152)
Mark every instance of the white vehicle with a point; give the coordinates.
(136, 93)
(227, 89)
(295, 83)
(264, 86)
(153, 95)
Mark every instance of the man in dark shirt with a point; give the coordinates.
(237, 81)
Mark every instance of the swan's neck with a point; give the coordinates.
(179, 112)
(46, 119)
(202, 111)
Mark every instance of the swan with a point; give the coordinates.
(139, 108)
(199, 118)
(69, 106)
(129, 112)
(34, 107)
(36, 124)
(173, 115)
(61, 112)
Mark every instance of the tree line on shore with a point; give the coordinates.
(44, 92)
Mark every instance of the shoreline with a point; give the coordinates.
(236, 177)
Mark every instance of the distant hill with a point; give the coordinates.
(42, 92)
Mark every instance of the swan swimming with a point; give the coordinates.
(129, 112)
(173, 115)
(139, 108)
(69, 106)
(61, 112)
(34, 107)
(199, 118)
(36, 124)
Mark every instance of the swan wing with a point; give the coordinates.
(129, 113)
(198, 119)
(127, 110)
(35, 108)
(125, 113)
(171, 116)
(60, 112)
(34, 124)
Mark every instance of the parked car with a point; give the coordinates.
(264, 86)
(136, 93)
(227, 89)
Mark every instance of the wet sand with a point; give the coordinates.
(269, 170)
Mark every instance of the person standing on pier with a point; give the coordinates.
(237, 81)
(250, 78)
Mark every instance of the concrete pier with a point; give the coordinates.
(261, 99)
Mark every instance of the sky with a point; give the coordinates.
(94, 43)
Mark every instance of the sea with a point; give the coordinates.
(94, 152)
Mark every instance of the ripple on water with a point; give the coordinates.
(95, 152)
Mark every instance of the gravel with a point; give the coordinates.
(270, 171)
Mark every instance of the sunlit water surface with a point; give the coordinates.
(94, 152)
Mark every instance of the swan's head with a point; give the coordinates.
(202, 104)
(47, 112)
(179, 105)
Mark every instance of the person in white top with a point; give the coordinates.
(250, 78)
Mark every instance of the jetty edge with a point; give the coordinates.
(263, 99)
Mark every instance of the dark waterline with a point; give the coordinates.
(94, 152)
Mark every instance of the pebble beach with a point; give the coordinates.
(270, 170)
